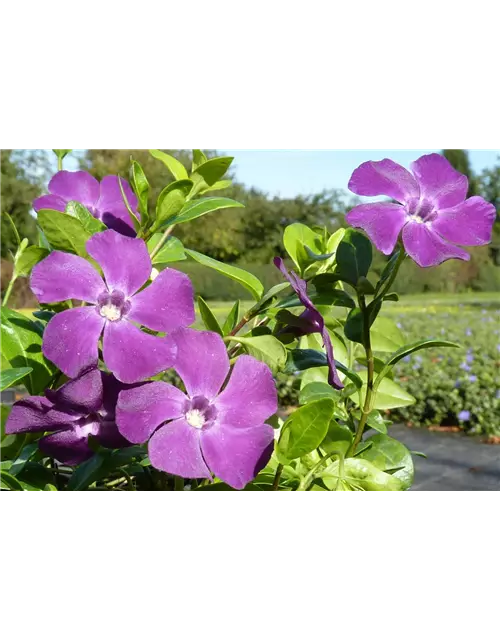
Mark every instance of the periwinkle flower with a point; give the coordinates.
(465, 367)
(472, 378)
(71, 337)
(468, 332)
(469, 358)
(310, 321)
(104, 200)
(431, 209)
(82, 407)
(464, 416)
(206, 430)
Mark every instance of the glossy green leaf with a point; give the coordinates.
(388, 270)
(388, 453)
(22, 347)
(302, 359)
(201, 207)
(86, 473)
(28, 259)
(338, 438)
(89, 222)
(134, 219)
(140, 186)
(317, 391)
(246, 279)
(266, 348)
(63, 232)
(360, 475)
(385, 335)
(61, 153)
(10, 482)
(172, 250)
(198, 158)
(209, 320)
(353, 328)
(390, 395)
(214, 169)
(218, 186)
(232, 318)
(175, 167)
(9, 377)
(375, 421)
(354, 256)
(305, 430)
(27, 452)
(295, 238)
(171, 201)
(411, 348)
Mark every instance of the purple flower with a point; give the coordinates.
(82, 407)
(104, 200)
(208, 430)
(464, 416)
(465, 367)
(311, 321)
(468, 332)
(472, 378)
(469, 358)
(71, 337)
(432, 210)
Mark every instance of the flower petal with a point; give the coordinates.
(201, 361)
(166, 304)
(298, 285)
(237, 455)
(125, 261)
(111, 206)
(70, 339)
(68, 447)
(427, 248)
(75, 185)
(333, 376)
(439, 181)
(175, 448)
(133, 355)
(250, 396)
(63, 276)
(470, 222)
(109, 436)
(142, 409)
(49, 202)
(83, 394)
(36, 413)
(384, 178)
(381, 221)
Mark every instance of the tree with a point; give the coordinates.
(23, 174)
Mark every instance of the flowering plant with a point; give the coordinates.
(114, 317)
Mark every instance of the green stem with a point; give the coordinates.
(8, 290)
(59, 163)
(162, 240)
(277, 477)
(306, 480)
(392, 277)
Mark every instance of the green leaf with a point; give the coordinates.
(198, 158)
(86, 473)
(411, 348)
(295, 237)
(81, 213)
(389, 394)
(232, 318)
(385, 335)
(338, 438)
(12, 224)
(332, 298)
(305, 430)
(218, 186)
(171, 201)
(140, 186)
(209, 320)
(317, 391)
(171, 251)
(10, 482)
(388, 271)
(353, 328)
(388, 453)
(212, 170)
(175, 167)
(201, 207)
(61, 153)
(365, 287)
(136, 223)
(28, 451)
(360, 475)
(268, 298)
(354, 257)
(11, 376)
(331, 248)
(28, 259)
(266, 348)
(246, 279)
(302, 359)
(375, 421)
(22, 347)
(63, 232)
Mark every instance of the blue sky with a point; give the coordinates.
(290, 172)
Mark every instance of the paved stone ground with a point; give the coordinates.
(454, 462)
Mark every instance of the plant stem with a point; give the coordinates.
(399, 262)
(277, 477)
(306, 480)
(59, 163)
(9, 290)
(239, 326)
(162, 240)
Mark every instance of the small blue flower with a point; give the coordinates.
(464, 416)
(458, 384)
(472, 378)
(469, 357)
(465, 367)
(407, 359)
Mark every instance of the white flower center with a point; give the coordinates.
(111, 312)
(195, 418)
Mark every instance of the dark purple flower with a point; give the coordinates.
(207, 430)
(71, 337)
(82, 407)
(311, 321)
(464, 416)
(104, 200)
(432, 210)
